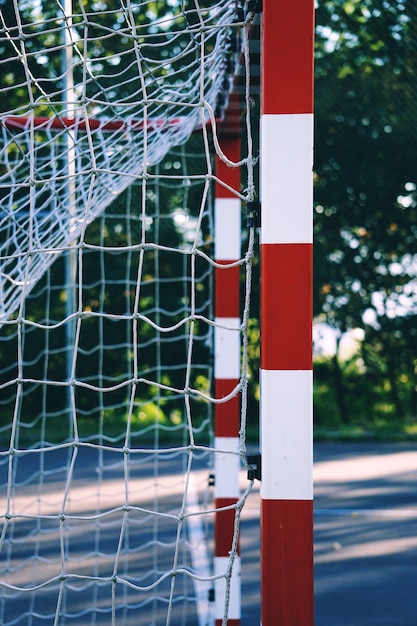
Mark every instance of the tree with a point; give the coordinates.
(112, 74)
(365, 174)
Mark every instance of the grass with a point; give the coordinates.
(374, 431)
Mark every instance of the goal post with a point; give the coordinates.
(286, 313)
(227, 374)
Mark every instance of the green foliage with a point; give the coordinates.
(130, 297)
(368, 399)
(118, 279)
(253, 371)
(366, 186)
(149, 413)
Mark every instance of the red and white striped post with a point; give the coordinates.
(286, 313)
(227, 376)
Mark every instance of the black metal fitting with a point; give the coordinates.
(255, 466)
(253, 214)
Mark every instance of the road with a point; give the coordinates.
(365, 531)
(365, 537)
(366, 534)
(93, 536)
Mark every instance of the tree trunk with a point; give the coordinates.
(394, 391)
(339, 386)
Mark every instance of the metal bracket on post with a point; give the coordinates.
(253, 214)
(255, 466)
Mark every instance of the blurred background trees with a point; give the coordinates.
(365, 210)
(133, 277)
(365, 282)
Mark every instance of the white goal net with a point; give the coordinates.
(108, 139)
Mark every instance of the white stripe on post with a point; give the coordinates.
(227, 348)
(220, 568)
(227, 466)
(287, 462)
(227, 235)
(287, 156)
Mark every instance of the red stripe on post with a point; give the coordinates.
(226, 173)
(224, 526)
(287, 563)
(287, 76)
(227, 290)
(227, 413)
(286, 306)
(231, 126)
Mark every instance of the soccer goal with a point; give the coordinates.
(121, 190)
(127, 160)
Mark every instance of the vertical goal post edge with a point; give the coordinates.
(287, 584)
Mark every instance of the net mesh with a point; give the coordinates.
(91, 100)
(107, 260)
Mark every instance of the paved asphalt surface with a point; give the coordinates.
(365, 537)
(365, 531)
